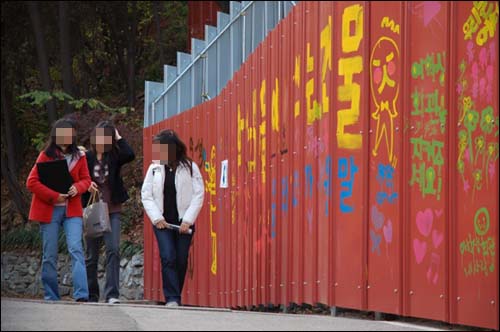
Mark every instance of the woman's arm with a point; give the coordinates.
(84, 183)
(38, 188)
(126, 154)
(147, 198)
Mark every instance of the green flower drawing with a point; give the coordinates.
(471, 120)
(487, 120)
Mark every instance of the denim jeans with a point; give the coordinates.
(112, 244)
(73, 228)
(174, 251)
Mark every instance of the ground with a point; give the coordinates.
(38, 315)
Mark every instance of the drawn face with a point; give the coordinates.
(383, 66)
(482, 221)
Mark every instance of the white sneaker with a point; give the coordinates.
(172, 304)
(113, 301)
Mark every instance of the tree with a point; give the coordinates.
(66, 58)
(9, 169)
(131, 53)
(43, 61)
(156, 13)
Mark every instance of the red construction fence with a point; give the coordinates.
(361, 141)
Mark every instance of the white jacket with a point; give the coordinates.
(190, 192)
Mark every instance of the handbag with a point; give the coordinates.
(96, 217)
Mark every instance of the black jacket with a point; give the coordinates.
(118, 192)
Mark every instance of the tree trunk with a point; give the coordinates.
(9, 130)
(16, 192)
(156, 13)
(9, 168)
(43, 62)
(66, 59)
(117, 42)
(131, 50)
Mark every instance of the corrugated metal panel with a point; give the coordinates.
(474, 131)
(350, 101)
(152, 91)
(385, 65)
(363, 175)
(428, 163)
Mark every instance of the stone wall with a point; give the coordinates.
(21, 275)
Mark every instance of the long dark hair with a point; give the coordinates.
(169, 136)
(109, 130)
(53, 150)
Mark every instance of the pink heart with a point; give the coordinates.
(429, 274)
(437, 238)
(424, 221)
(438, 213)
(419, 248)
(435, 280)
(388, 231)
(431, 9)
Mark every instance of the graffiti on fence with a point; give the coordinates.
(478, 249)
(348, 66)
(426, 250)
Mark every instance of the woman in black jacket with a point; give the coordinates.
(108, 153)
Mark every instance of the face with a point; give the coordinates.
(165, 153)
(384, 64)
(103, 140)
(64, 136)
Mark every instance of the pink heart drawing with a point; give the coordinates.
(388, 231)
(431, 9)
(435, 280)
(419, 248)
(437, 238)
(438, 213)
(424, 221)
(429, 276)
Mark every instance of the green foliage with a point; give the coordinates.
(28, 238)
(100, 32)
(39, 141)
(39, 98)
(21, 238)
(129, 249)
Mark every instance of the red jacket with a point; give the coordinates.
(44, 198)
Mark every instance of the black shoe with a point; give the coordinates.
(82, 300)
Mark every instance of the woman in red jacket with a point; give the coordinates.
(55, 210)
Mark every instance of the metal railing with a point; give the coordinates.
(213, 61)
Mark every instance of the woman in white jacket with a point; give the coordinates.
(172, 194)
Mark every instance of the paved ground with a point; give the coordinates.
(20, 315)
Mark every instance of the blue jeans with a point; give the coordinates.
(50, 235)
(174, 251)
(112, 243)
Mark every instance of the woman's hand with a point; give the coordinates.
(93, 187)
(117, 135)
(184, 228)
(72, 191)
(62, 198)
(162, 224)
